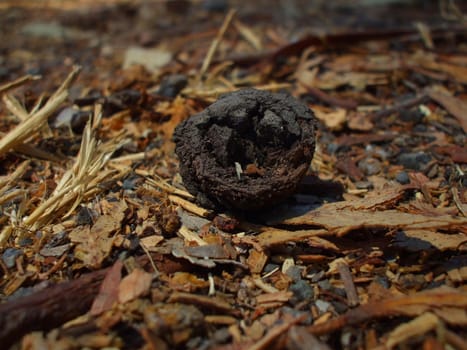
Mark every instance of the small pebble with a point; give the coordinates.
(9, 256)
(332, 148)
(364, 185)
(84, 216)
(302, 291)
(222, 335)
(322, 305)
(415, 160)
(270, 267)
(171, 85)
(295, 273)
(403, 178)
(420, 128)
(325, 285)
(370, 166)
(132, 182)
(307, 317)
(24, 242)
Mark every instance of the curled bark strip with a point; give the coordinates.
(247, 151)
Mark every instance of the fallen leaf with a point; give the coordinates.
(210, 251)
(359, 122)
(108, 292)
(94, 244)
(150, 242)
(187, 282)
(136, 284)
(333, 119)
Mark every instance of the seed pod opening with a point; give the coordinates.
(247, 151)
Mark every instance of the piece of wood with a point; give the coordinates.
(48, 308)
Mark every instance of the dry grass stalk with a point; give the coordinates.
(215, 44)
(13, 105)
(11, 195)
(81, 179)
(189, 206)
(158, 182)
(18, 82)
(36, 120)
(6, 181)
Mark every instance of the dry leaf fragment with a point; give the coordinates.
(453, 105)
(108, 292)
(94, 244)
(333, 119)
(150, 242)
(428, 62)
(359, 121)
(186, 282)
(136, 284)
(343, 221)
(256, 261)
(272, 236)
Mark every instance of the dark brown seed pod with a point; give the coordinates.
(247, 151)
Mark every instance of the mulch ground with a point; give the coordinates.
(101, 244)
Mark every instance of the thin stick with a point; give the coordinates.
(189, 206)
(11, 178)
(18, 82)
(215, 43)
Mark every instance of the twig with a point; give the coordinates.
(215, 43)
(332, 100)
(350, 290)
(18, 82)
(11, 178)
(162, 184)
(400, 106)
(191, 207)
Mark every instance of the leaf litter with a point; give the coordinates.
(102, 246)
